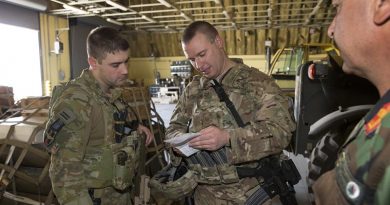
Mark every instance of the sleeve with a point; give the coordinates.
(326, 188)
(66, 171)
(383, 196)
(269, 123)
(181, 115)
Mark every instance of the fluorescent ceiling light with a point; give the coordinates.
(75, 9)
(165, 3)
(114, 22)
(149, 19)
(116, 5)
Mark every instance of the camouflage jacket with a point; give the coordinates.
(362, 173)
(257, 99)
(81, 144)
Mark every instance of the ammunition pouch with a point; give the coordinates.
(103, 167)
(125, 161)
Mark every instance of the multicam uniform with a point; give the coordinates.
(263, 109)
(84, 145)
(362, 173)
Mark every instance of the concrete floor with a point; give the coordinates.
(165, 111)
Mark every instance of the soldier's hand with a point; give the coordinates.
(147, 132)
(210, 138)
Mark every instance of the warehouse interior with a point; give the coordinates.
(253, 32)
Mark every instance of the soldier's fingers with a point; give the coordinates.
(198, 140)
(149, 138)
(201, 144)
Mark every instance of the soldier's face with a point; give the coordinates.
(350, 29)
(205, 55)
(112, 71)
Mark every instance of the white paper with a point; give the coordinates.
(181, 143)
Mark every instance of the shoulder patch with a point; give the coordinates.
(64, 117)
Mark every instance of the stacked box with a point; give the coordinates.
(37, 105)
(6, 97)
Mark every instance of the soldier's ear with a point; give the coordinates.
(219, 41)
(92, 62)
(381, 11)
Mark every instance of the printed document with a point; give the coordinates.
(181, 143)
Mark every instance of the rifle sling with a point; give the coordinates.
(224, 98)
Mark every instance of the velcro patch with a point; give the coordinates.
(65, 116)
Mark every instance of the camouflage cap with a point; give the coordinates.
(163, 183)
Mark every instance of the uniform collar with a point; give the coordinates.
(205, 83)
(374, 117)
(93, 84)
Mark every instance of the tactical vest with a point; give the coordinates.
(113, 159)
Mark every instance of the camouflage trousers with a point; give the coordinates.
(232, 194)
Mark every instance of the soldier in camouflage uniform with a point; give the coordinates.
(223, 144)
(361, 29)
(93, 161)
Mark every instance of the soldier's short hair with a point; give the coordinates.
(103, 40)
(199, 27)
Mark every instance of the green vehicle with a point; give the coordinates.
(286, 61)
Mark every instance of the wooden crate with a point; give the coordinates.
(39, 106)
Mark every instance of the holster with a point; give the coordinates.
(290, 171)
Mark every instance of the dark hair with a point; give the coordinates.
(103, 40)
(201, 27)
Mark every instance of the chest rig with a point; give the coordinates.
(126, 149)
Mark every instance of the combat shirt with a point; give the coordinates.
(259, 102)
(83, 142)
(365, 158)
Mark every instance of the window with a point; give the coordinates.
(20, 65)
